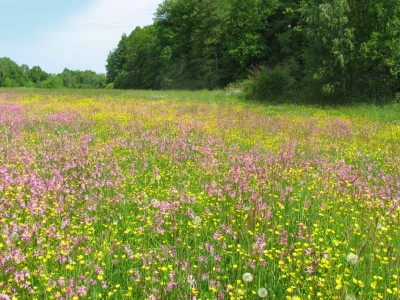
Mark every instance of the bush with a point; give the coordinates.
(29, 84)
(53, 82)
(109, 86)
(9, 82)
(270, 83)
(238, 87)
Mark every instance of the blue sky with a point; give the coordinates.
(73, 34)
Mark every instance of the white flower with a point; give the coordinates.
(197, 220)
(247, 277)
(350, 297)
(262, 292)
(352, 258)
(379, 226)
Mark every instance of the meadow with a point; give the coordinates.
(184, 195)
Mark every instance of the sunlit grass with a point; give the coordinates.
(179, 195)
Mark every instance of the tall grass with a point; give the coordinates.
(178, 195)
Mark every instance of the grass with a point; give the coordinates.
(203, 95)
(196, 195)
(388, 113)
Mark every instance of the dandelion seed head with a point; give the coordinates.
(197, 220)
(352, 258)
(262, 292)
(246, 208)
(247, 277)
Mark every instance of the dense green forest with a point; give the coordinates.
(325, 50)
(322, 51)
(13, 75)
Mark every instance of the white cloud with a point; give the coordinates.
(84, 41)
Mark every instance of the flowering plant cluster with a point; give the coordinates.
(134, 199)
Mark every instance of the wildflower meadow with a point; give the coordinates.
(112, 197)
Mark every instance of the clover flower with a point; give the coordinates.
(352, 258)
(262, 292)
(350, 297)
(4, 297)
(247, 277)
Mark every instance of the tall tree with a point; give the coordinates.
(175, 21)
(332, 50)
(36, 74)
(140, 67)
(379, 49)
(116, 59)
(11, 74)
(330, 44)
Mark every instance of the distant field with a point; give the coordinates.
(196, 195)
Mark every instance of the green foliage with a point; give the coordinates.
(12, 75)
(379, 50)
(137, 68)
(116, 60)
(109, 86)
(53, 82)
(194, 45)
(36, 74)
(271, 83)
(331, 43)
(352, 48)
(83, 79)
(30, 84)
(332, 51)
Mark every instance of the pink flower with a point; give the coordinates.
(81, 291)
(310, 270)
(4, 297)
(171, 285)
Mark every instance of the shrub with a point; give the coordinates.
(109, 86)
(270, 83)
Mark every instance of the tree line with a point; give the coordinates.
(13, 75)
(326, 50)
